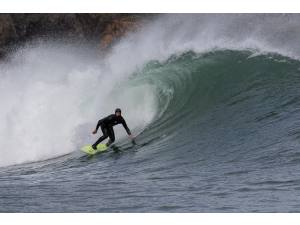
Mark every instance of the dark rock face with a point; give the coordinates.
(102, 28)
(7, 32)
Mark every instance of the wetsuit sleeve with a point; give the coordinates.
(126, 127)
(99, 123)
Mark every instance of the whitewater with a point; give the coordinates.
(213, 100)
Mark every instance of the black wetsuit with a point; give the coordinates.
(107, 124)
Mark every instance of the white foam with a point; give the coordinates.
(48, 92)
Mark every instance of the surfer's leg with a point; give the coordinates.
(103, 137)
(111, 135)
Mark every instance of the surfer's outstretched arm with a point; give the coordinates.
(128, 130)
(98, 125)
(126, 127)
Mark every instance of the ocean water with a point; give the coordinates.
(213, 100)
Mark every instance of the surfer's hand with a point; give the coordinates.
(132, 139)
(94, 132)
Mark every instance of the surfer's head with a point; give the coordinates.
(118, 112)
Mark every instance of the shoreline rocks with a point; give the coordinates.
(17, 29)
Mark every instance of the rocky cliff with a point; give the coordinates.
(103, 28)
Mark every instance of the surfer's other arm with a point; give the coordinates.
(126, 127)
(98, 125)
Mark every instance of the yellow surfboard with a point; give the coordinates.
(90, 151)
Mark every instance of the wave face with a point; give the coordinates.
(213, 99)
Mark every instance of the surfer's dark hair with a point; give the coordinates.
(118, 110)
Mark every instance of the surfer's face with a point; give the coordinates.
(118, 114)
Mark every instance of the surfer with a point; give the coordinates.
(107, 124)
